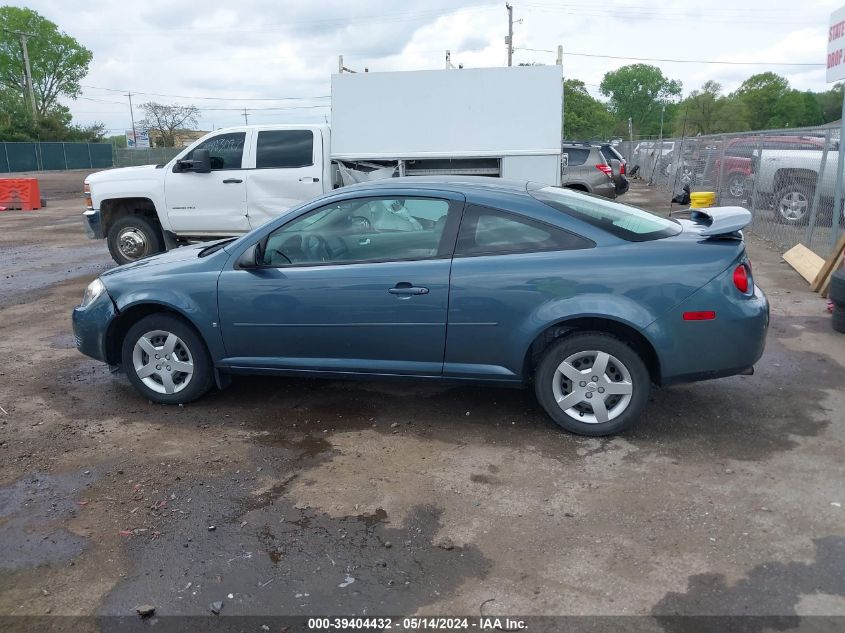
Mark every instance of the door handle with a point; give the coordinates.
(406, 289)
(230, 181)
(309, 179)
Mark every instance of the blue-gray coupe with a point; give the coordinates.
(462, 279)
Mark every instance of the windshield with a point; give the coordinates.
(622, 220)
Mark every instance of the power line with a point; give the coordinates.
(158, 94)
(676, 61)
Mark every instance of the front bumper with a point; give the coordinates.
(91, 325)
(93, 225)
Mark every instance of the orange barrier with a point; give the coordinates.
(20, 193)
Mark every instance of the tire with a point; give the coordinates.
(736, 186)
(134, 237)
(838, 322)
(165, 384)
(792, 203)
(837, 287)
(579, 352)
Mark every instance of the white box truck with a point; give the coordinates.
(498, 122)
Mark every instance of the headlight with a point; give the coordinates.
(94, 290)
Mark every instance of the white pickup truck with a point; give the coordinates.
(500, 122)
(787, 179)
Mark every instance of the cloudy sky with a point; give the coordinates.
(276, 57)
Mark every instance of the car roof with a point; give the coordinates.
(461, 184)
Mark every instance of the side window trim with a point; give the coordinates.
(244, 151)
(588, 243)
(314, 141)
(445, 249)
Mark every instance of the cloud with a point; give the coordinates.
(269, 49)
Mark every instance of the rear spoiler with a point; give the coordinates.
(721, 220)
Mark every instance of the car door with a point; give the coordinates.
(358, 285)
(212, 203)
(288, 169)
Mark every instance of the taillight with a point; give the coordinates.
(607, 169)
(622, 169)
(741, 278)
(86, 191)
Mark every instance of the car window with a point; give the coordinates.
(226, 150)
(284, 149)
(487, 231)
(622, 220)
(361, 230)
(576, 155)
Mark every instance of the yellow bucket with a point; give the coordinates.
(702, 199)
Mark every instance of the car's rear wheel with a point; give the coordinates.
(592, 384)
(792, 203)
(166, 360)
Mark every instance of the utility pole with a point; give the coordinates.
(27, 71)
(246, 117)
(509, 38)
(132, 117)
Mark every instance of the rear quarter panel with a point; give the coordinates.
(500, 304)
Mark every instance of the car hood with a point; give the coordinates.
(182, 254)
(119, 173)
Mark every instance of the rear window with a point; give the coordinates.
(610, 153)
(622, 220)
(576, 155)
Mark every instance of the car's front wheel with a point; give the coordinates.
(133, 237)
(166, 360)
(592, 384)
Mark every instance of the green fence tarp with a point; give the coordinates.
(15, 157)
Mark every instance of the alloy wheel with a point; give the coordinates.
(592, 387)
(163, 362)
(793, 206)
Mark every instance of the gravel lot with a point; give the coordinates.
(292, 496)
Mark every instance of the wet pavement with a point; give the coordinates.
(294, 496)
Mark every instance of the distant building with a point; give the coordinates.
(181, 138)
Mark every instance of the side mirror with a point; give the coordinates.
(201, 161)
(249, 258)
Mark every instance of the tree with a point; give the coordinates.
(163, 121)
(57, 60)
(639, 91)
(830, 102)
(584, 116)
(706, 111)
(763, 95)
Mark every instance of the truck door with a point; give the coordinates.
(212, 203)
(288, 170)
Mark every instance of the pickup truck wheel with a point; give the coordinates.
(792, 203)
(592, 384)
(134, 237)
(166, 360)
(736, 186)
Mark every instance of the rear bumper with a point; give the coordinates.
(608, 189)
(93, 226)
(728, 345)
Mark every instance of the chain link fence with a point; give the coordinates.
(786, 178)
(125, 157)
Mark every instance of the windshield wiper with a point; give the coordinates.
(208, 250)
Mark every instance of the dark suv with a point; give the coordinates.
(586, 167)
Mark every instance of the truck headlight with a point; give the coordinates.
(94, 290)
